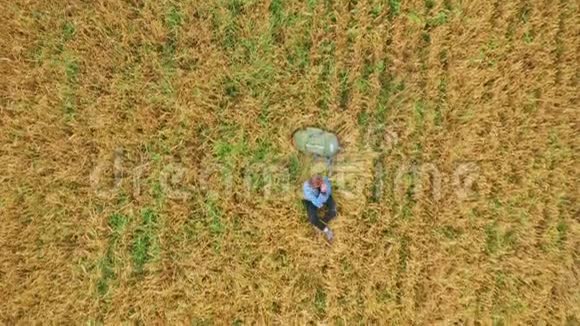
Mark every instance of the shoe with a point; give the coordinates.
(328, 234)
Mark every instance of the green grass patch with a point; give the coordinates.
(173, 21)
(213, 221)
(367, 70)
(408, 200)
(415, 18)
(394, 8)
(260, 78)
(277, 19)
(214, 212)
(562, 229)
(226, 28)
(320, 302)
(326, 70)
(202, 321)
(235, 7)
(376, 10)
(157, 192)
(116, 223)
(253, 66)
(496, 241)
(492, 240)
(231, 88)
(259, 158)
(520, 18)
(311, 4)
(230, 39)
(450, 232)
(438, 20)
(362, 119)
(370, 216)
(262, 151)
(230, 147)
(448, 5)
(173, 18)
(529, 36)
(402, 267)
(299, 54)
(264, 117)
(419, 114)
(403, 254)
(68, 31)
(143, 241)
(294, 167)
(441, 100)
(344, 89)
(106, 266)
(378, 117)
(71, 69)
(524, 12)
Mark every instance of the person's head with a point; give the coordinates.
(316, 181)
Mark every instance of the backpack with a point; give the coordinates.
(316, 141)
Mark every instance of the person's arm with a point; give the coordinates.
(311, 195)
(328, 187)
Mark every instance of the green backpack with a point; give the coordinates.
(316, 141)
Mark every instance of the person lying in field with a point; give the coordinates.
(317, 194)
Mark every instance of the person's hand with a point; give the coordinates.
(323, 187)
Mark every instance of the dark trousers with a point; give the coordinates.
(312, 212)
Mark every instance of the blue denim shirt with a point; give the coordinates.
(314, 195)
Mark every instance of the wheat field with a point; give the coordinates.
(148, 176)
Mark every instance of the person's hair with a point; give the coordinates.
(315, 179)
